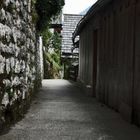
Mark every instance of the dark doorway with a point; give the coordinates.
(95, 44)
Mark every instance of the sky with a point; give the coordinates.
(76, 6)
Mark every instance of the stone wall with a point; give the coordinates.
(17, 58)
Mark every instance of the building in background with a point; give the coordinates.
(56, 23)
(68, 52)
(70, 22)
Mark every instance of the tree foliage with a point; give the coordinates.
(46, 9)
(52, 56)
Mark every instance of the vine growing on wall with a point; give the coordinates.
(47, 10)
(52, 57)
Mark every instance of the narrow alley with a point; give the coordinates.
(62, 111)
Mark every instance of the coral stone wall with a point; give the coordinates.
(17, 57)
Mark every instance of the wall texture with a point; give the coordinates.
(118, 56)
(18, 58)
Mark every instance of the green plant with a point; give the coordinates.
(47, 9)
(44, 11)
(52, 56)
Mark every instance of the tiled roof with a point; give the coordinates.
(70, 22)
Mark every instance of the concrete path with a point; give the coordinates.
(61, 111)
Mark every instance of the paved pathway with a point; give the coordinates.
(62, 112)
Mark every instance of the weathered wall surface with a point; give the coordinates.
(118, 67)
(85, 64)
(116, 45)
(17, 57)
(136, 95)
